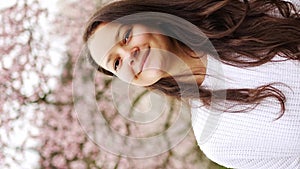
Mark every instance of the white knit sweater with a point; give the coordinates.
(252, 139)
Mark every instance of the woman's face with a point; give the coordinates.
(134, 53)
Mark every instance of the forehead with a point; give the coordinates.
(102, 41)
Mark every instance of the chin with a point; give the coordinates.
(148, 78)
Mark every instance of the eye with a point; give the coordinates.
(127, 36)
(116, 64)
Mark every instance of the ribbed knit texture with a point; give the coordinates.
(252, 139)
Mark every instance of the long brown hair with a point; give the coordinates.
(244, 34)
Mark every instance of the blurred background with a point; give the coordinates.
(40, 42)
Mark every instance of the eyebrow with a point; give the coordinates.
(118, 32)
(116, 40)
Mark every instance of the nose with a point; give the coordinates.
(132, 55)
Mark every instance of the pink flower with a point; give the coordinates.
(78, 165)
(59, 161)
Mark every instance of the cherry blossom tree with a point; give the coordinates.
(39, 120)
(25, 80)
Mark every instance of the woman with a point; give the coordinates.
(250, 78)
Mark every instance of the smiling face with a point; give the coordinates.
(134, 53)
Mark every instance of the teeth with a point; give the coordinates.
(144, 58)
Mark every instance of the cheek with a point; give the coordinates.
(140, 38)
(165, 43)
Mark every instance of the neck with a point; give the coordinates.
(193, 63)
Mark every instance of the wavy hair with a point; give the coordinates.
(243, 33)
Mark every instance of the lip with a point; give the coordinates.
(145, 57)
